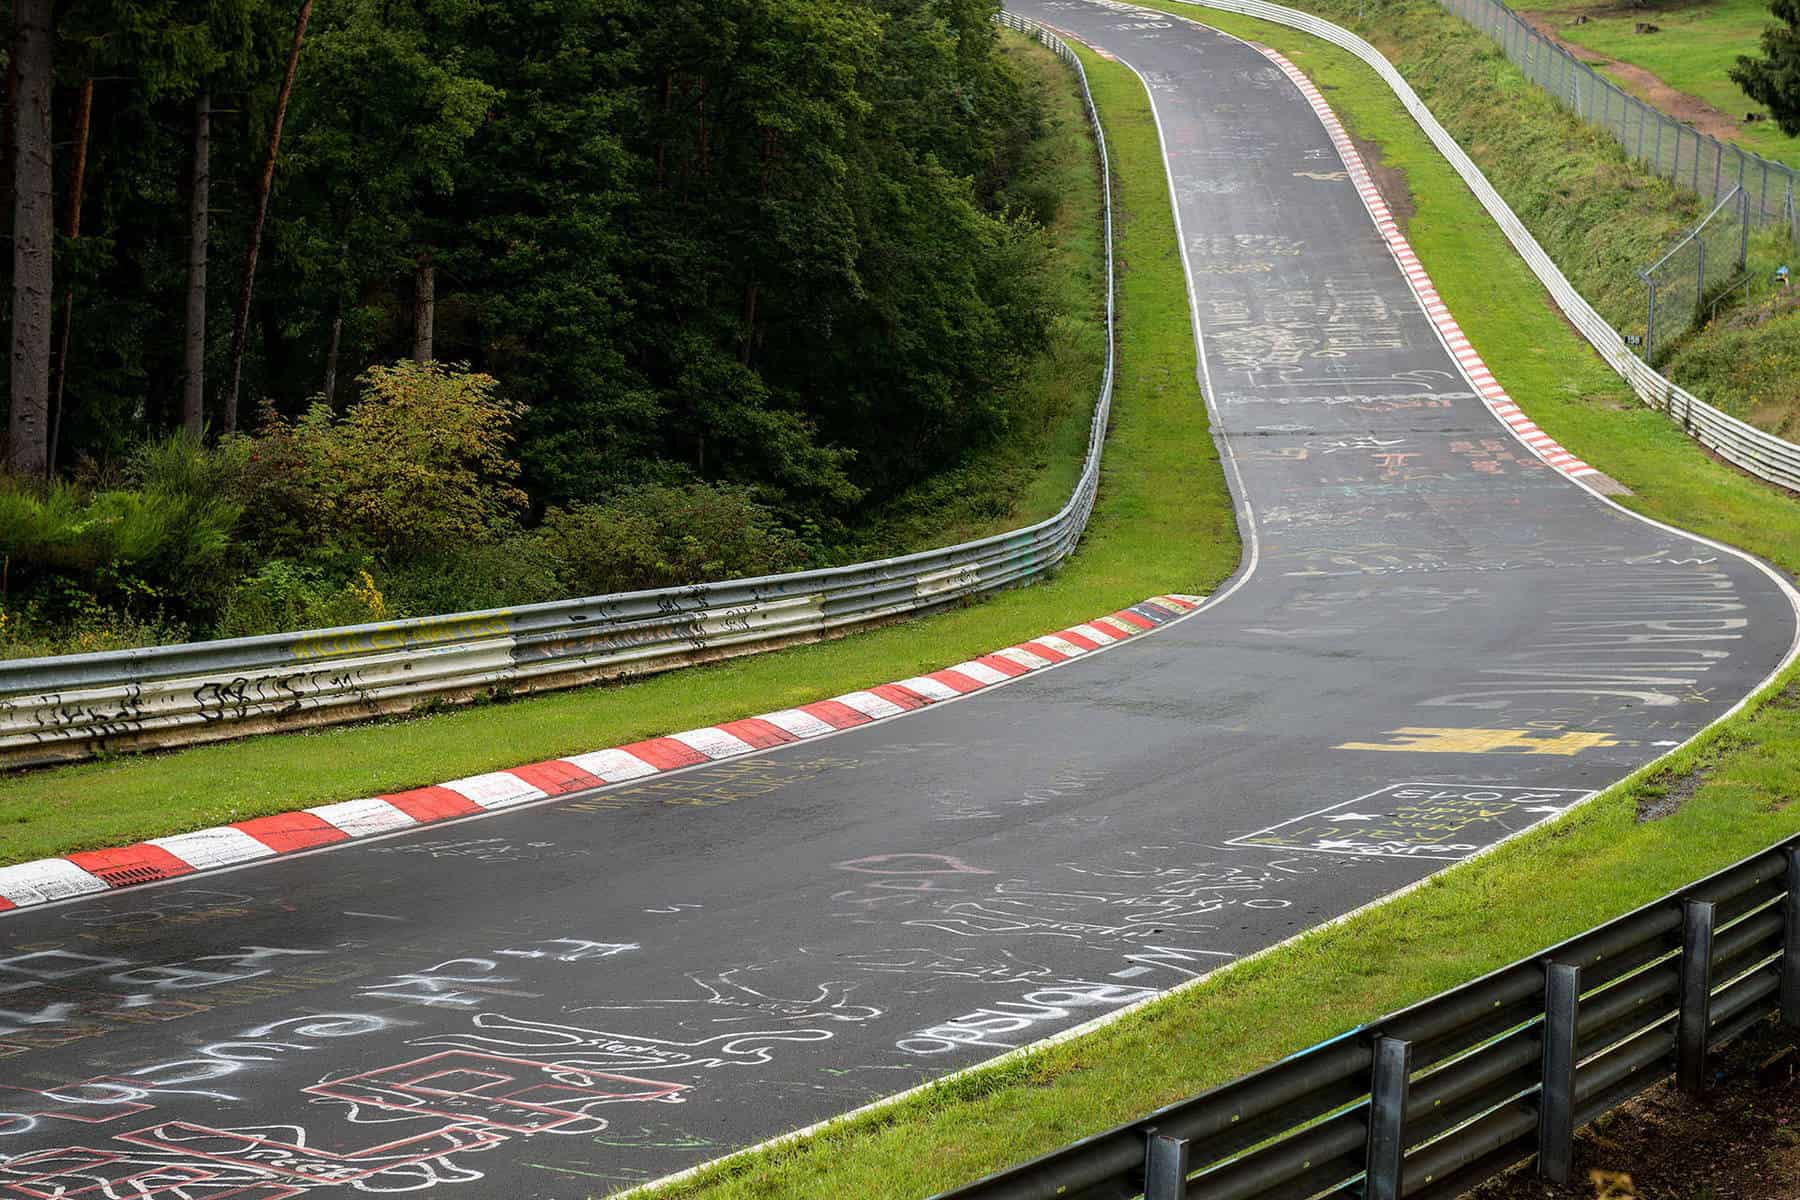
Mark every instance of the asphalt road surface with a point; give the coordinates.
(1439, 642)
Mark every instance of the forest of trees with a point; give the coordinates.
(746, 262)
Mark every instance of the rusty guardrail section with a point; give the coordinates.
(1428, 1102)
(1738, 442)
(69, 707)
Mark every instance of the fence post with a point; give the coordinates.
(1165, 1167)
(1699, 280)
(1743, 233)
(1556, 1102)
(1387, 1119)
(1696, 995)
(1649, 318)
(1790, 950)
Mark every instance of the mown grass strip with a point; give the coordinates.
(1545, 886)
(1164, 522)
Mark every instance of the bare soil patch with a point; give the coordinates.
(1686, 108)
(1740, 1141)
(1654, 806)
(1391, 182)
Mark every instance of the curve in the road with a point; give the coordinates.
(1444, 641)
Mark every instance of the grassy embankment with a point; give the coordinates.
(1600, 217)
(1695, 48)
(1547, 885)
(1163, 523)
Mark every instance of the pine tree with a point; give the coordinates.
(1774, 79)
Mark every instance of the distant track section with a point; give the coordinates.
(1738, 442)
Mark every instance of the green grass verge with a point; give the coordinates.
(1163, 523)
(1545, 886)
(1698, 45)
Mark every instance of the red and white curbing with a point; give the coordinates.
(89, 871)
(1502, 406)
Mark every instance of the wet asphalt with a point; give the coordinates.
(1436, 642)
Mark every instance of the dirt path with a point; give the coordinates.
(1741, 1141)
(1688, 109)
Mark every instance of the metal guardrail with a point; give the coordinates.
(1679, 153)
(68, 707)
(1428, 1102)
(1738, 442)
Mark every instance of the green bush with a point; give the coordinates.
(419, 462)
(283, 595)
(663, 536)
(519, 570)
(167, 541)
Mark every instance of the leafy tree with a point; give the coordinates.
(1773, 80)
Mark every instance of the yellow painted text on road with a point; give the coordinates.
(1484, 741)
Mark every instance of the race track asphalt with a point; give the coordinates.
(1437, 642)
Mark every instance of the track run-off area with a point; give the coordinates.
(1437, 639)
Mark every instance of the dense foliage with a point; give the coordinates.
(745, 264)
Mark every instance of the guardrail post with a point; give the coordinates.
(1790, 950)
(1696, 995)
(1165, 1167)
(1556, 1102)
(1387, 1119)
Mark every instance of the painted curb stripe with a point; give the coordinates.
(800, 724)
(428, 804)
(558, 777)
(90, 871)
(285, 833)
(131, 864)
(1492, 394)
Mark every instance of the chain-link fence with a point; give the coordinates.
(1679, 153)
(1685, 282)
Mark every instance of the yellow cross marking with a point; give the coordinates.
(1484, 741)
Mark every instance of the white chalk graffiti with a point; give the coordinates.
(572, 1045)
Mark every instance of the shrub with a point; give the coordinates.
(282, 595)
(167, 541)
(665, 536)
(519, 570)
(419, 462)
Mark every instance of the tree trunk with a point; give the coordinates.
(705, 136)
(84, 116)
(12, 122)
(331, 355)
(34, 235)
(240, 326)
(193, 346)
(424, 305)
(750, 297)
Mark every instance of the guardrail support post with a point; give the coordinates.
(1556, 1102)
(1790, 950)
(1387, 1119)
(1696, 995)
(1165, 1167)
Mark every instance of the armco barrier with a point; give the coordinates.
(1738, 442)
(1428, 1102)
(54, 709)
